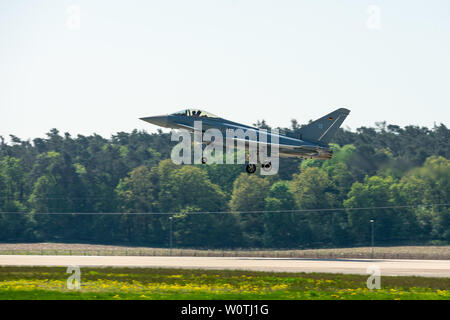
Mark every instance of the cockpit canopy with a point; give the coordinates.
(194, 113)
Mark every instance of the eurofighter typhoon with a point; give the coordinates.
(311, 140)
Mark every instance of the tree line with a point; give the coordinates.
(398, 177)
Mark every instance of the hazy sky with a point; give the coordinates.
(245, 60)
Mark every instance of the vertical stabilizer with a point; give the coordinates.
(323, 129)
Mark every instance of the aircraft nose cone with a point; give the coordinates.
(158, 120)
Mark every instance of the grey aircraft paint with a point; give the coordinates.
(311, 143)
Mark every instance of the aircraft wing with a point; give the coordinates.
(283, 149)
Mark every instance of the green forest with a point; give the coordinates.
(396, 176)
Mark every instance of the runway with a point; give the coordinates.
(388, 267)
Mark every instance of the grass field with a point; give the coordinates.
(397, 252)
(141, 283)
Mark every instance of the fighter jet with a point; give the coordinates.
(311, 141)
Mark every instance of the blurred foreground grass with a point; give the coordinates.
(144, 283)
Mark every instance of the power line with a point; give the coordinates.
(52, 198)
(230, 212)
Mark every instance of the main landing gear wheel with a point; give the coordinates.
(203, 160)
(266, 166)
(250, 168)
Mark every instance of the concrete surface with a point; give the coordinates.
(426, 268)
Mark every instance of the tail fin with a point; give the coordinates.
(323, 129)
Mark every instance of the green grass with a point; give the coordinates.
(144, 283)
